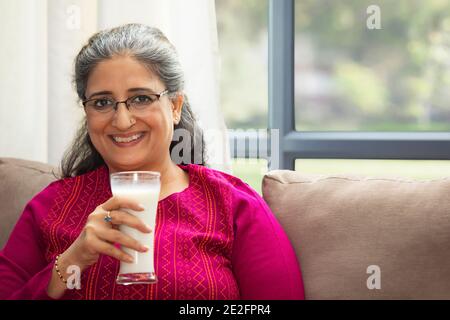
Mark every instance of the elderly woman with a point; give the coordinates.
(215, 237)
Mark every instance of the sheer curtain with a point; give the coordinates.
(38, 109)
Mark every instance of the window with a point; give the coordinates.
(371, 143)
(242, 32)
(339, 89)
(250, 171)
(242, 28)
(372, 65)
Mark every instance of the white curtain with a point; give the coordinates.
(23, 79)
(38, 109)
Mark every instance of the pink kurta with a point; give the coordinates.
(217, 239)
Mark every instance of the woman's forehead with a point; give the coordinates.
(122, 74)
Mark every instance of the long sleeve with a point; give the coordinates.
(264, 262)
(24, 271)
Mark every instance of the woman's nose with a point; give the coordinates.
(123, 118)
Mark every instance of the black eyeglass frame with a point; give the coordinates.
(127, 101)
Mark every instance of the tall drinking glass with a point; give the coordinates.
(142, 187)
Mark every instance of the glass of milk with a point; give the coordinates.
(142, 187)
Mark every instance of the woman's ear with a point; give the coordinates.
(177, 106)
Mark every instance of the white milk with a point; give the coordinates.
(147, 195)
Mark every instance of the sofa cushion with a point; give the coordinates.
(344, 227)
(20, 180)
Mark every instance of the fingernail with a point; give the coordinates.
(141, 206)
(129, 259)
(148, 228)
(145, 248)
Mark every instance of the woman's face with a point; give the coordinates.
(119, 78)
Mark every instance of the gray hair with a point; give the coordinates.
(149, 46)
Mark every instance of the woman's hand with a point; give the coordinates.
(98, 236)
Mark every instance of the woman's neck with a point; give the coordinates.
(173, 179)
(169, 173)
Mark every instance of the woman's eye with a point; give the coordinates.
(143, 99)
(100, 103)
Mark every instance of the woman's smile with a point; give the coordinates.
(128, 140)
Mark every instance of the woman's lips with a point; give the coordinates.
(128, 144)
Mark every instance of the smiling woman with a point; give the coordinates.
(114, 68)
(215, 237)
(150, 121)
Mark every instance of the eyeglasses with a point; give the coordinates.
(105, 105)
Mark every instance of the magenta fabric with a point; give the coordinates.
(217, 239)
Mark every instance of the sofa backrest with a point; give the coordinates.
(354, 234)
(20, 180)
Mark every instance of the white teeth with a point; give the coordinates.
(132, 138)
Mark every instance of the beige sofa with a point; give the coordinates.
(355, 237)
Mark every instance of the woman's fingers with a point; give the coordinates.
(119, 202)
(100, 234)
(109, 249)
(120, 217)
(103, 236)
(115, 236)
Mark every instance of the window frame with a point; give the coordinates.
(293, 144)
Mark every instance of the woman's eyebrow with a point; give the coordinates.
(141, 89)
(99, 93)
(129, 90)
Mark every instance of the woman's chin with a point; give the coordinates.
(127, 165)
